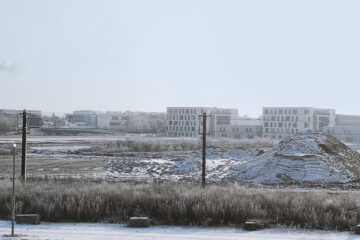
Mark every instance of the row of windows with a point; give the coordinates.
(185, 111)
(182, 134)
(182, 117)
(284, 124)
(284, 118)
(176, 128)
(183, 123)
(280, 124)
(281, 130)
(285, 111)
(248, 130)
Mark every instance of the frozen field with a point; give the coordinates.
(101, 157)
(69, 231)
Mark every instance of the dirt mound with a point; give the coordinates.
(214, 158)
(313, 158)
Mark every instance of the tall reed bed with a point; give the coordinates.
(181, 204)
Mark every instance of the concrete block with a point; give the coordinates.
(28, 218)
(250, 226)
(139, 222)
(357, 229)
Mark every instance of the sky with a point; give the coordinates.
(65, 55)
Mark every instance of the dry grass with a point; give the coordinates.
(181, 144)
(181, 204)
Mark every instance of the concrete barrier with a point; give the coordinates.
(250, 226)
(28, 218)
(139, 222)
(357, 229)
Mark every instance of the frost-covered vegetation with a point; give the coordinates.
(181, 144)
(181, 204)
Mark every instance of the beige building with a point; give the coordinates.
(279, 122)
(187, 121)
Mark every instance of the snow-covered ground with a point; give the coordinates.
(306, 158)
(92, 231)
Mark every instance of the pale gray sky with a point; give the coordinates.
(60, 56)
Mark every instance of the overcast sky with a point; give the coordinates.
(60, 56)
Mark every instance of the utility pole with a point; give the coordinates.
(13, 192)
(23, 148)
(203, 150)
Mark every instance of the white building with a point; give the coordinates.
(346, 129)
(279, 122)
(103, 121)
(240, 128)
(187, 122)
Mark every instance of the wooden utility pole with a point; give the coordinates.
(203, 175)
(23, 148)
(13, 193)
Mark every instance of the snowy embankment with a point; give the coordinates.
(78, 231)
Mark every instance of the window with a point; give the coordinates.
(295, 111)
(305, 125)
(266, 111)
(280, 124)
(280, 111)
(266, 124)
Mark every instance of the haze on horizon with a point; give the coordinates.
(60, 56)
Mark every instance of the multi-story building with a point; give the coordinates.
(240, 127)
(13, 118)
(83, 118)
(279, 122)
(187, 121)
(346, 129)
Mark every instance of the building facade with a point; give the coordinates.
(279, 122)
(346, 129)
(187, 121)
(84, 118)
(241, 128)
